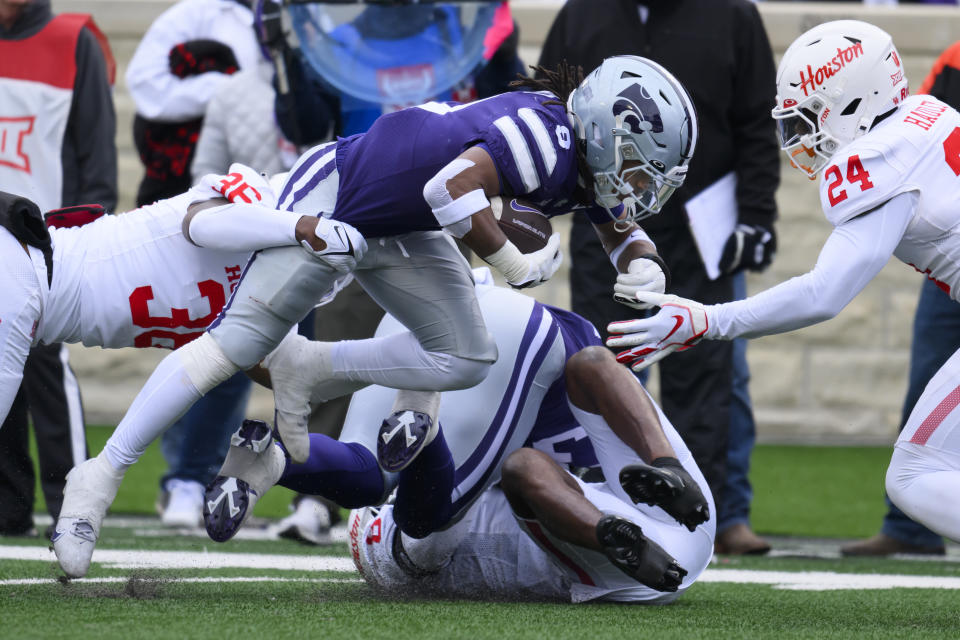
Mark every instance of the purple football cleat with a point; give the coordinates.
(402, 437)
(253, 464)
(226, 504)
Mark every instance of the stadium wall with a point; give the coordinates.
(840, 382)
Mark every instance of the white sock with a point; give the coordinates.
(166, 396)
(427, 402)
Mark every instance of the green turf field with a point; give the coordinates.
(825, 493)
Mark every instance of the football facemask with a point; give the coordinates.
(809, 150)
(642, 188)
(637, 128)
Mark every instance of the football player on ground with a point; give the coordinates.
(614, 147)
(541, 534)
(153, 277)
(890, 186)
(554, 388)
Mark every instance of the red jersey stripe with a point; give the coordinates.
(534, 528)
(936, 417)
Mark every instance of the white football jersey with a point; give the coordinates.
(134, 280)
(494, 559)
(499, 556)
(916, 149)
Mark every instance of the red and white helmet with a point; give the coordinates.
(832, 83)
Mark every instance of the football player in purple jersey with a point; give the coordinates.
(554, 389)
(615, 146)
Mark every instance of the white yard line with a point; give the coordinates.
(828, 580)
(122, 579)
(126, 559)
(121, 559)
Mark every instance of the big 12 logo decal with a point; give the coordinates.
(13, 131)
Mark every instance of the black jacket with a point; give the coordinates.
(89, 153)
(720, 52)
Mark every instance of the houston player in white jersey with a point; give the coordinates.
(554, 397)
(136, 279)
(890, 186)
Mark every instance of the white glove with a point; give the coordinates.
(679, 325)
(523, 270)
(241, 184)
(643, 274)
(345, 245)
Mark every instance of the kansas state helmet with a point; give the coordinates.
(832, 83)
(630, 109)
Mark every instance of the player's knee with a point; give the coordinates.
(584, 370)
(585, 364)
(894, 482)
(465, 373)
(519, 474)
(205, 363)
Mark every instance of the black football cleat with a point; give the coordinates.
(666, 484)
(402, 437)
(637, 556)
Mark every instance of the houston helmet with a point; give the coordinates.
(631, 110)
(832, 83)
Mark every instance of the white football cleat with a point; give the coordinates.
(90, 489)
(253, 464)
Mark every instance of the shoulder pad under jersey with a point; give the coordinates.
(860, 178)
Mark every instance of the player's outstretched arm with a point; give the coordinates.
(237, 226)
(854, 253)
(237, 212)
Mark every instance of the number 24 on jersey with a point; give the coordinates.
(855, 174)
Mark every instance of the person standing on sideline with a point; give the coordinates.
(57, 148)
(719, 50)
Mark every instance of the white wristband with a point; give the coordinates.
(635, 235)
(510, 262)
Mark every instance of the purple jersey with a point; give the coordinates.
(382, 172)
(556, 431)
